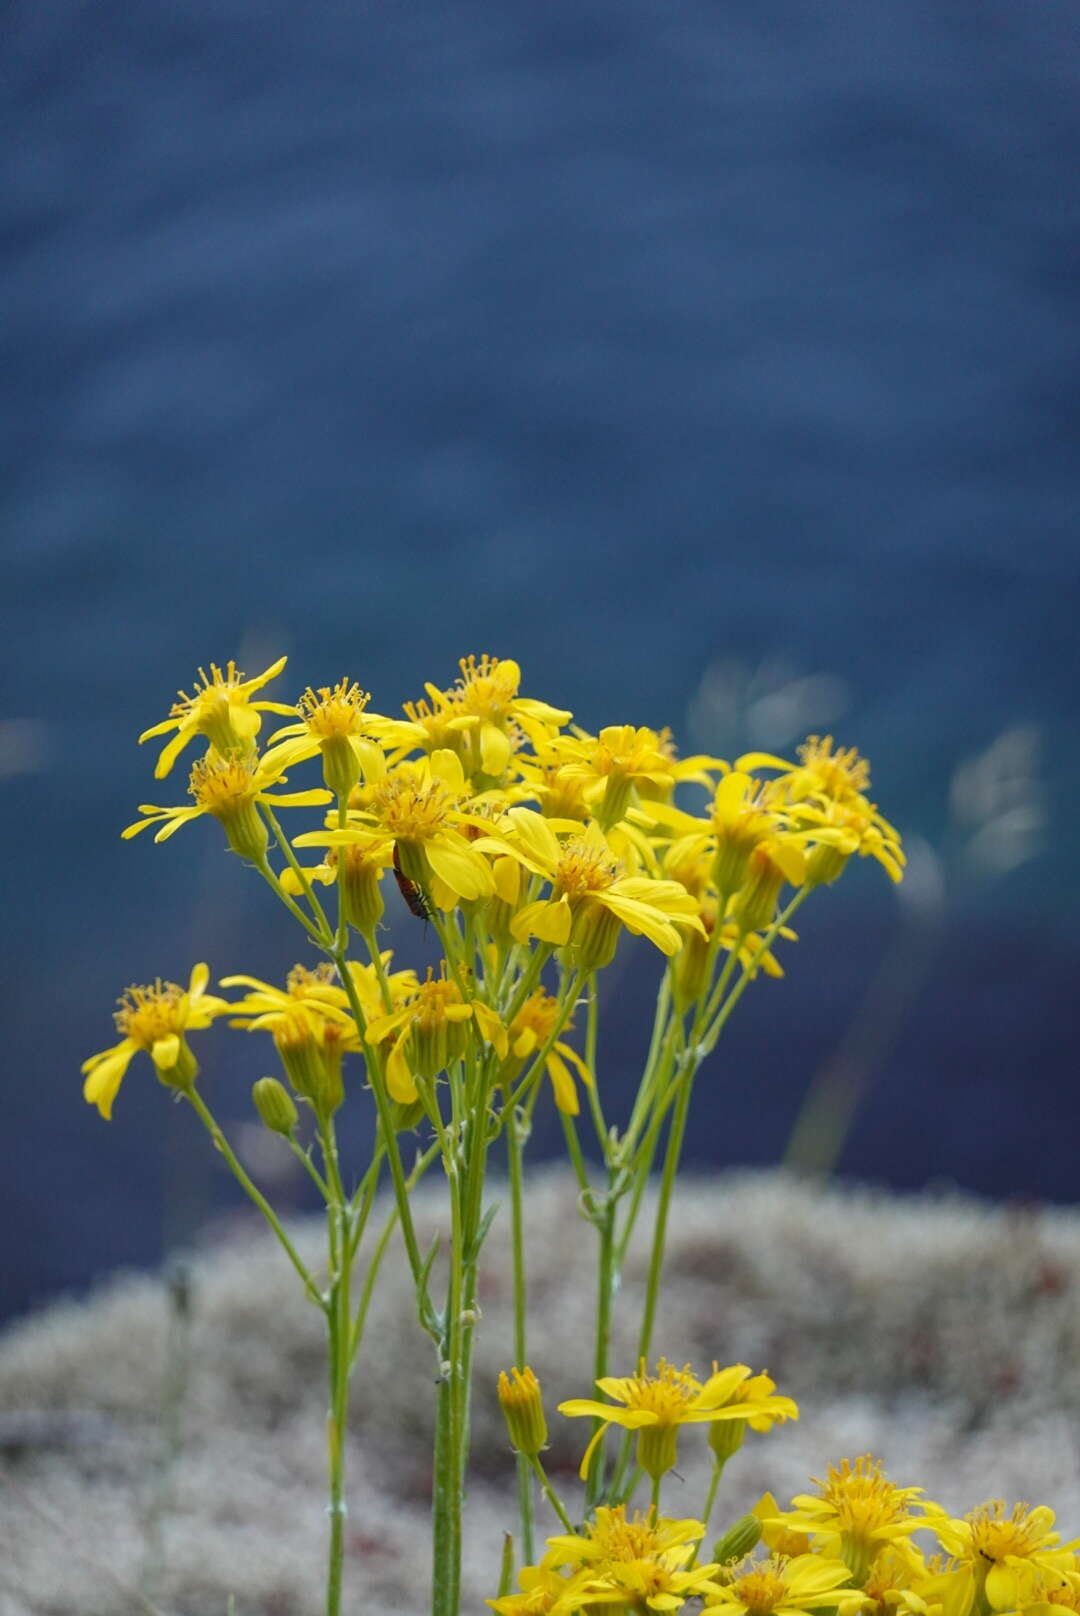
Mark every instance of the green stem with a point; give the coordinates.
(338, 1321)
(256, 1195)
(549, 1492)
(605, 1296)
(380, 972)
(565, 1011)
(667, 1184)
(603, 1138)
(515, 1146)
(379, 1253)
(710, 1500)
(321, 939)
(301, 875)
(397, 1171)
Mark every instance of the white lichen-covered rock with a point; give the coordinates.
(145, 1445)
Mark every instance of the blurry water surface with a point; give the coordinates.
(717, 361)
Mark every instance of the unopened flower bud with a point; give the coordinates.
(740, 1538)
(523, 1410)
(275, 1106)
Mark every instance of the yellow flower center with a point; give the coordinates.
(486, 687)
(149, 1013)
(410, 807)
(624, 750)
(621, 1540)
(583, 868)
(209, 691)
(864, 1499)
(664, 1394)
(432, 998)
(223, 786)
(839, 773)
(753, 822)
(761, 1591)
(436, 722)
(995, 1534)
(330, 712)
(301, 979)
(538, 1013)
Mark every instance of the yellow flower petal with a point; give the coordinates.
(164, 1052)
(455, 862)
(549, 921)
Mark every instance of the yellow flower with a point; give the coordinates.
(310, 1025)
(315, 989)
(545, 1591)
(856, 1510)
(156, 1019)
(995, 1550)
(403, 986)
(221, 709)
(609, 766)
(333, 721)
(843, 828)
(726, 1437)
(431, 1034)
(746, 817)
(530, 1031)
(890, 1585)
(418, 808)
(478, 718)
(782, 1587)
(777, 1538)
(590, 898)
(827, 791)
(636, 1564)
(657, 1405)
(822, 771)
(229, 788)
(365, 865)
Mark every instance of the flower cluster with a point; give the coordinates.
(516, 831)
(530, 848)
(847, 1547)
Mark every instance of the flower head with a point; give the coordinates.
(545, 1591)
(782, 1587)
(656, 1405)
(228, 788)
(221, 709)
(997, 1551)
(530, 1031)
(155, 1018)
(590, 897)
(333, 721)
(636, 1564)
(857, 1510)
(421, 811)
(431, 1032)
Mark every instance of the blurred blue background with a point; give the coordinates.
(716, 361)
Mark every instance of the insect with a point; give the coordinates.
(411, 891)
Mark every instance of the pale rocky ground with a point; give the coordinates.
(941, 1334)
